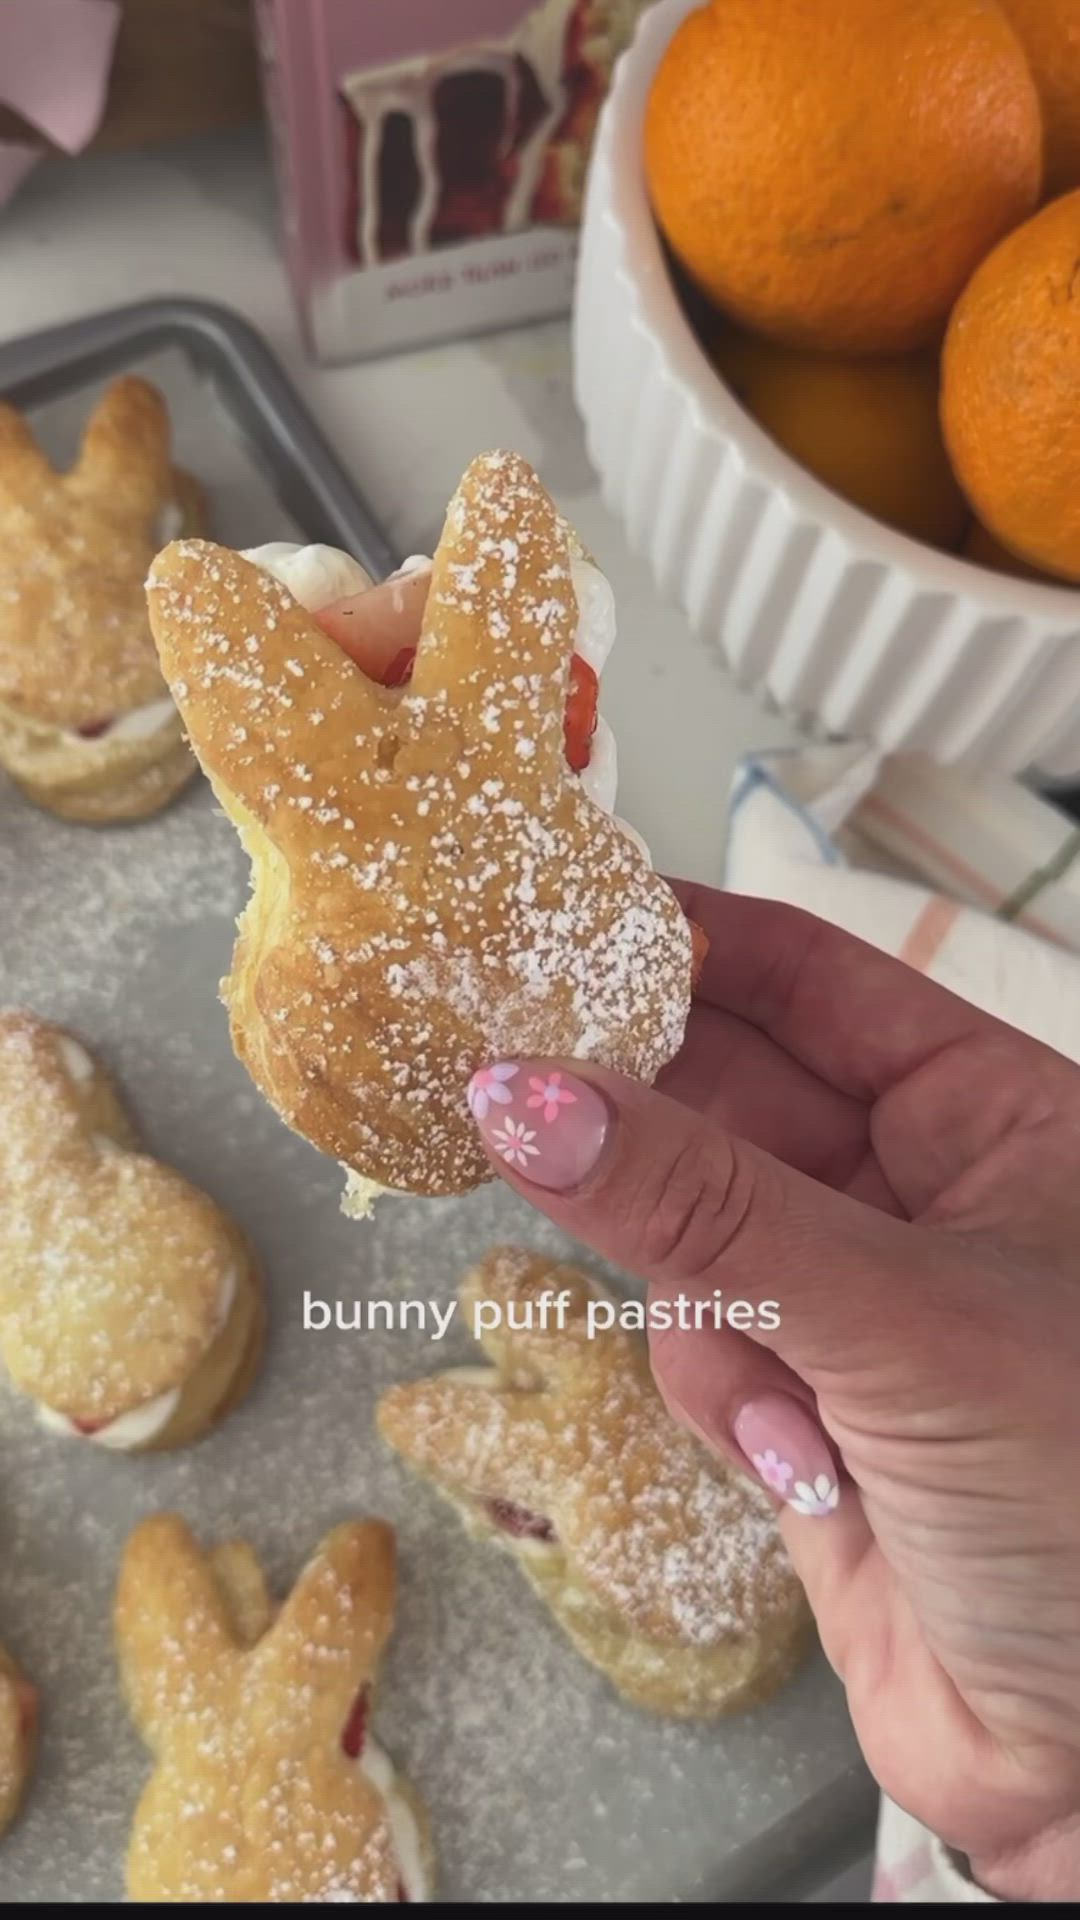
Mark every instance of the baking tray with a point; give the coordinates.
(541, 1785)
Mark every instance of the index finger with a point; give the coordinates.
(858, 1018)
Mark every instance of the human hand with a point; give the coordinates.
(900, 1173)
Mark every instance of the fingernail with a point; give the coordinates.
(543, 1122)
(788, 1452)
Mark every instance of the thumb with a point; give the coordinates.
(696, 1211)
(709, 1221)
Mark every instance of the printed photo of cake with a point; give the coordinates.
(489, 137)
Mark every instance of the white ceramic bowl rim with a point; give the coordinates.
(718, 412)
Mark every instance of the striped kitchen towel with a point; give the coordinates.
(975, 881)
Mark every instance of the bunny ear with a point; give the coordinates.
(255, 680)
(57, 1101)
(538, 1340)
(331, 1631)
(501, 616)
(173, 1628)
(487, 1444)
(124, 459)
(243, 1589)
(24, 469)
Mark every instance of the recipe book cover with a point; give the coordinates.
(432, 158)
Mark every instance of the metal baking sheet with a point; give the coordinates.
(541, 1785)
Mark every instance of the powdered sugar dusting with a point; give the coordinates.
(451, 890)
(541, 1785)
(255, 1795)
(111, 1269)
(87, 905)
(662, 1549)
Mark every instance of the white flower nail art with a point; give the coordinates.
(490, 1085)
(516, 1142)
(816, 1497)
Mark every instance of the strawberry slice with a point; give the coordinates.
(355, 1730)
(26, 1700)
(89, 1427)
(379, 628)
(400, 669)
(699, 951)
(518, 1521)
(582, 706)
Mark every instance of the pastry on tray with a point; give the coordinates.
(18, 1737)
(87, 727)
(268, 1783)
(421, 780)
(664, 1566)
(130, 1309)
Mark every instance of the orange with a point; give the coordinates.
(981, 547)
(868, 428)
(1049, 31)
(831, 171)
(1011, 390)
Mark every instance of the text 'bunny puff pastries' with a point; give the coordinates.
(131, 1310)
(18, 1737)
(268, 1781)
(87, 727)
(664, 1566)
(434, 887)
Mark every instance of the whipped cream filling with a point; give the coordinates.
(358, 1199)
(600, 779)
(76, 1061)
(139, 723)
(596, 626)
(315, 576)
(141, 1424)
(170, 522)
(376, 1765)
(127, 1431)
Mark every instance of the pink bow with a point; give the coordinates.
(55, 57)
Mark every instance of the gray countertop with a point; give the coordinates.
(541, 1785)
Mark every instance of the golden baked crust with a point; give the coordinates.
(431, 887)
(253, 1795)
(119, 1281)
(664, 1567)
(121, 782)
(75, 647)
(18, 1737)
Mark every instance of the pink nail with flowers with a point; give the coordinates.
(540, 1121)
(515, 1143)
(490, 1087)
(788, 1451)
(551, 1095)
(777, 1474)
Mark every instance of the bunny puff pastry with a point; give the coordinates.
(87, 728)
(268, 1784)
(18, 1737)
(665, 1568)
(432, 885)
(129, 1306)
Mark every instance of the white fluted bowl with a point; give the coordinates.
(843, 623)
